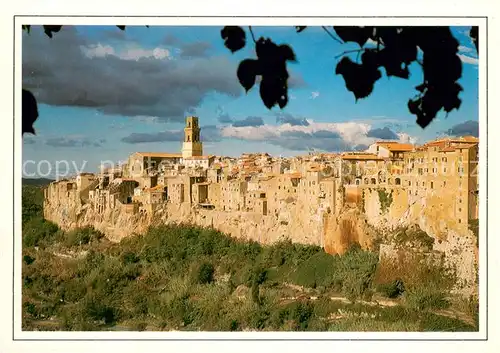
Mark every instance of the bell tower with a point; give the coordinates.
(192, 145)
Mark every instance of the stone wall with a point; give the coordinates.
(432, 214)
(322, 227)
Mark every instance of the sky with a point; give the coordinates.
(104, 93)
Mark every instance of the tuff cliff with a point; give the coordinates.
(334, 233)
(373, 219)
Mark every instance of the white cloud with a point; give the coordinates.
(464, 49)
(314, 94)
(98, 50)
(405, 138)
(130, 52)
(352, 133)
(468, 59)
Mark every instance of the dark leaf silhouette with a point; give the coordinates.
(29, 112)
(359, 35)
(121, 27)
(247, 73)
(234, 37)
(27, 28)
(300, 28)
(474, 35)
(359, 78)
(51, 29)
(274, 91)
(287, 52)
(271, 65)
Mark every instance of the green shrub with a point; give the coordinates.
(130, 258)
(32, 202)
(97, 309)
(82, 236)
(438, 323)
(181, 309)
(234, 325)
(28, 260)
(206, 273)
(39, 232)
(424, 298)
(385, 199)
(393, 289)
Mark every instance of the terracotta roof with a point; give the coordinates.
(293, 175)
(470, 139)
(160, 154)
(443, 141)
(396, 146)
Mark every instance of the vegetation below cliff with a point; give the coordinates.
(179, 277)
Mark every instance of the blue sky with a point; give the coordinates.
(104, 94)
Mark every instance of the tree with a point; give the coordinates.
(396, 48)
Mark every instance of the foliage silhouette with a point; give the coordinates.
(29, 112)
(396, 49)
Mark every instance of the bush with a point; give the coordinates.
(415, 272)
(206, 273)
(28, 260)
(393, 289)
(32, 202)
(39, 232)
(426, 298)
(82, 236)
(130, 258)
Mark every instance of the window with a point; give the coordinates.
(432, 185)
(459, 220)
(444, 183)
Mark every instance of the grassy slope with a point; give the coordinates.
(186, 278)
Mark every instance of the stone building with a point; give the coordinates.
(142, 164)
(192, 145)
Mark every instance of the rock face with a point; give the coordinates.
(334, 233)
(433, 215)
(379, 214)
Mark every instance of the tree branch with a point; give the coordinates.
(251, 32)
(331, 35)
(350, 51)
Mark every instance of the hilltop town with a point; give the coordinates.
(327, 199)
